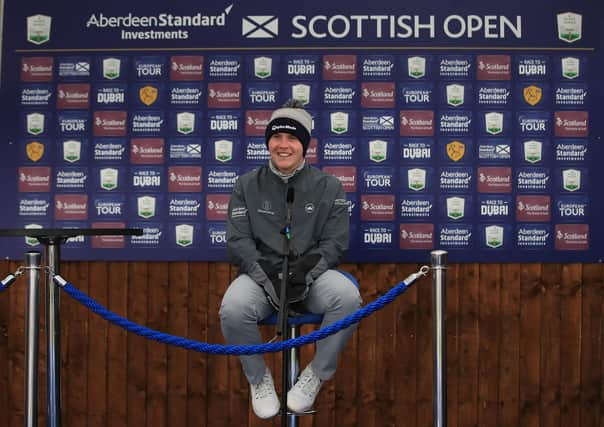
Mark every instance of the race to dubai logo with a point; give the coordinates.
(35, 123)
(38, 29)
(378, 150)
(184, 235)
(145, 206)
(455, 95)
(223, 150)
(148, 95)
(338, 122)
(108, 178)
(494, 123)
(533, 151)
(185, 123)
(72, 150)
(571, 179)
(456, 150)
(532, 94)
(569, 26)
(111, 68)
(263, 67)
(494, 236)
(570, 67)
(34, 150)
(301, 92)
(416, 179)
(416, 66)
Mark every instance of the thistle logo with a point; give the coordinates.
(145, 206)
(494, 236)
(532, 151)
(34, 150)
(378, 150)
(72, 150)
(35, 123)
(569, 26)
(571, 179)
(38, 29)
(223, 150)
(185, 123)
(455, 95)
(417, 67)
(109, 179)
(111, 68)
(416, 179)
(456, 207)
(301, 93)
(339, 122)
(260, 27)
(570, 67)
(263, 67)
(494, 123)
(184, 235)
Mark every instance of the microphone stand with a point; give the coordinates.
(284, 306)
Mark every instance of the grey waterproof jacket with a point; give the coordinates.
(257, 215)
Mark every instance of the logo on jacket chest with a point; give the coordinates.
(266, 208)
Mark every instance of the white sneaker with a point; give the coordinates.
(303, 394)
(264, 397)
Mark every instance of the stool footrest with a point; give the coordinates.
(299, 414)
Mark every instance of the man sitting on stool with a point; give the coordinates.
(319, 237)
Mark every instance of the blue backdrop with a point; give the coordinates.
(475, 129)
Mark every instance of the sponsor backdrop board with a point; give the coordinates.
(468, 128)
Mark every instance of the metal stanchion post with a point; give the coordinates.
(439, 336)
(32, 331)
(53, 331)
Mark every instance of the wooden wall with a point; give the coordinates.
(524, 349)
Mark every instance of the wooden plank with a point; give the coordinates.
(178, 324)
(137, 346)
(218, 367)
(572, 332)
(509, 353)
(489, 342)
(117, 347)
(197, 363)
(468, 345)
(453, 355)
(4, 361)
(157, 353)
(74, 337)
(97, 348)
(17, 297)
(346, 381)
(404, 370)
(367, 335)
(550, 346)
(531, 289)
(591, 350)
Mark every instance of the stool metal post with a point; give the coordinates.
(32, 328)
(294, 367)
(53, 331)
(439, 336)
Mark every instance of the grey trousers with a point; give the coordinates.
(244, 304)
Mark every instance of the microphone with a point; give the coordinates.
(290, 195)
(289, 198)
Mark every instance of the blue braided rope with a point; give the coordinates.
(3, 288)
(203, 347)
